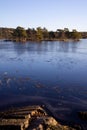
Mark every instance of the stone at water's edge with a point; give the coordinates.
(29, 118)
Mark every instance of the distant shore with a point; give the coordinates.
(40, 34)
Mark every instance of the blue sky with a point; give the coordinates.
(52, 14)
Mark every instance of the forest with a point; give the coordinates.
(40, 34)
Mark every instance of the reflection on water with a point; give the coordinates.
(53, 73)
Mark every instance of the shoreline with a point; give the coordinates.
(49, 113)
(28, 101)
(59, 40)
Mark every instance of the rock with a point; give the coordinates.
(29, 118)
(40, 127)
(50, 121)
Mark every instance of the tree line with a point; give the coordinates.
(40, 34)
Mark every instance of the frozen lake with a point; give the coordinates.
(50, 73)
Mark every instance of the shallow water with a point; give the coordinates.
(53, 73)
